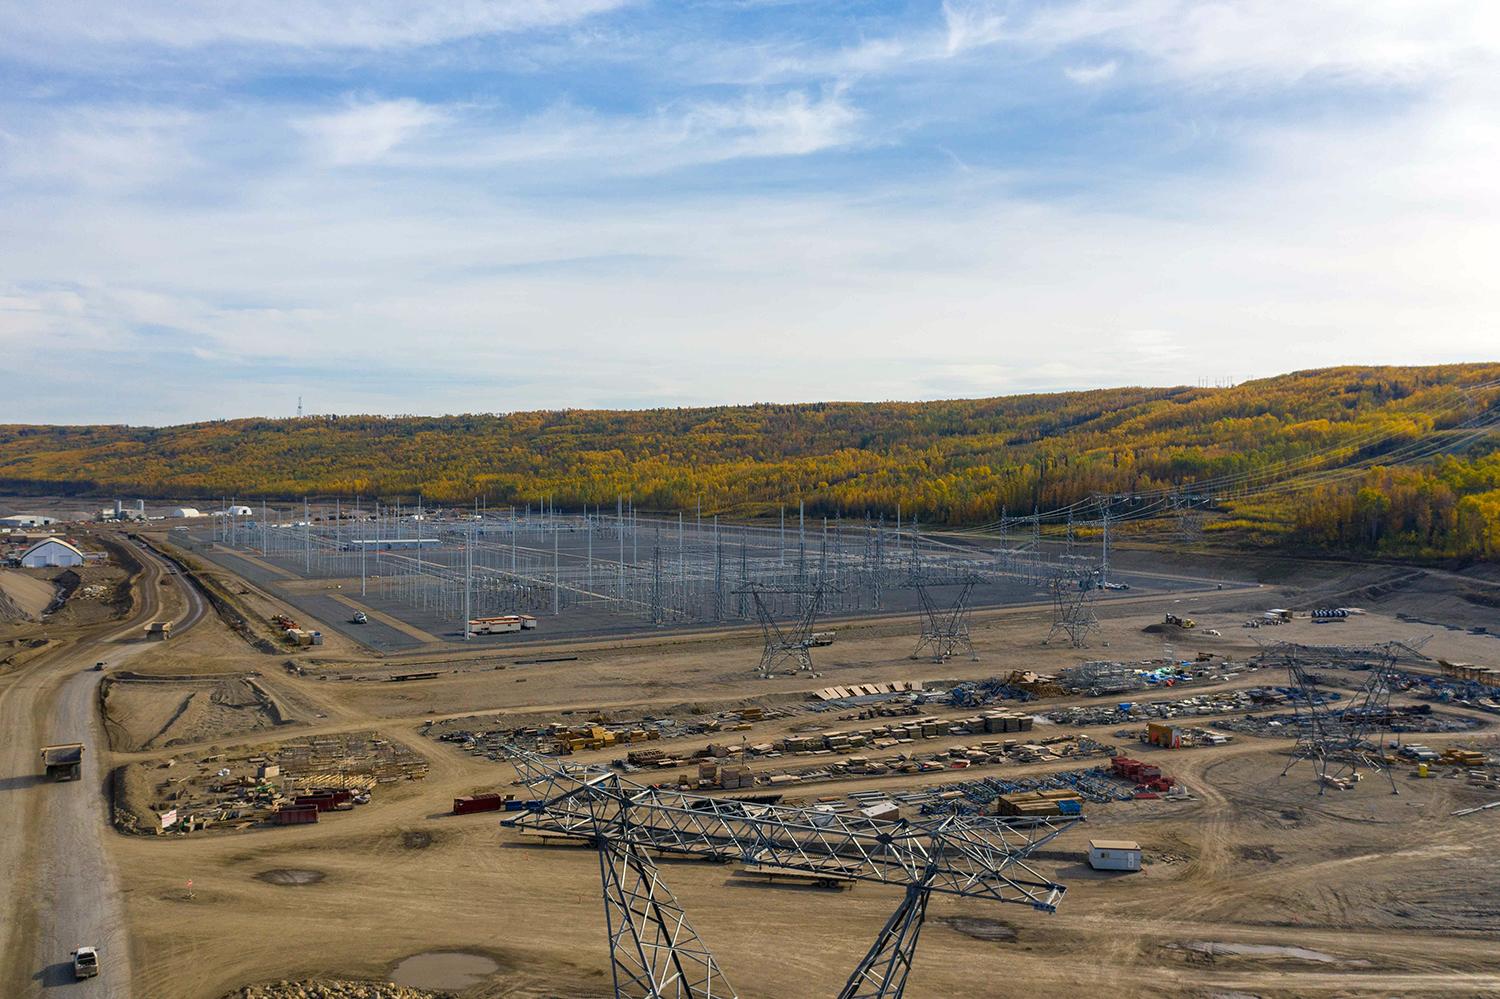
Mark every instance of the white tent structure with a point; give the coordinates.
(49, 553)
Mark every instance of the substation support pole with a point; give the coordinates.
(468, 580)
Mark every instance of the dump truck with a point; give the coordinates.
(63, 762)
(159, 629)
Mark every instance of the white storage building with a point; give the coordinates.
(24, 520)
(1114, 855)
(51, 552)
(185, 511)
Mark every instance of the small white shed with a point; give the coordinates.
(1114, 855)
(51, 552)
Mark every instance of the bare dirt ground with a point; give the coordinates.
(158, 713)
(24, 592)
(1256, 886)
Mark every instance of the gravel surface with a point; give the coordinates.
(325, 988)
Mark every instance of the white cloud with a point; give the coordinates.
(970, 25)
(791, 124)
(334, 24)
(1281, 41)
(1085, 75)
(580, 141)
(115, 147)
(490, 246)
(364, 132)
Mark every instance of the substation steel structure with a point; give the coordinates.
(654, 951)
(1338, 736)
(618, 564)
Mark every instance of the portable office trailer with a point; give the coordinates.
(1114, 855)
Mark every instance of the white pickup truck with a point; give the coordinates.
(85, 962)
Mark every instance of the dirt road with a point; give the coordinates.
(63, 891)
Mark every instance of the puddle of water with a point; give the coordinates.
(451, 970)
(1263, 950)
(291, 876)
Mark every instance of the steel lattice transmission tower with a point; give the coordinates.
(653, 950)
(789, 642)
(1073, 614)
(945, 630)
(1339, 743)
(1189, 517)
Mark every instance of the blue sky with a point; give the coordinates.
(207, 210)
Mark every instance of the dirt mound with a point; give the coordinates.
(1484, 598)
(23, 597)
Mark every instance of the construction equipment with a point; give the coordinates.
(656, 953)
(63, 762)
(1185, 623)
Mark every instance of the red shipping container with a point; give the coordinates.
(322, 802)
(295, 816)
(471, 804)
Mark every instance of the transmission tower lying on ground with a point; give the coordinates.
(945, 631)
(1338, 742)
(655, 953)
(786, 642)
(1073, 614)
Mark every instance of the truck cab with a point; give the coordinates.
(85, 962)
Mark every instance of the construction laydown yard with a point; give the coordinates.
(284, 816)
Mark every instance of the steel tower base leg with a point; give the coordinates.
(882, 973)
(654, 952)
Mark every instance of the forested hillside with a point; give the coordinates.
(953, 462)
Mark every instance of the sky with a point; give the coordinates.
(211, 209)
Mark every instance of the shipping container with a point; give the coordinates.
(471, 804)
(295, 816)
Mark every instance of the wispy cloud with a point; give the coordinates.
(503, 205)
(971, 25)
(1091, 73)
(335, 24)
(365, 131)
